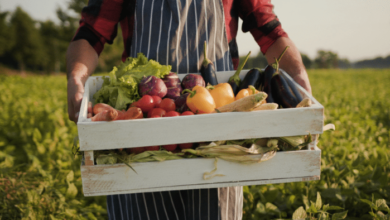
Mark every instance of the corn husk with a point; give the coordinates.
(233, 152)
(210, 175)
(245, 104)
(266, 106)
(110, 158)
(148, 156)
(292, 143)
(306, 102)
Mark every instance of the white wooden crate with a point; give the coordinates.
(293, 166)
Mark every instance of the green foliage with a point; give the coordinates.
(259, 61)
(326, 60)
(6, 41)
(306, 61)
(27, 47)
(355, 158)
(40, 177)
(40, 46)
(323, 60)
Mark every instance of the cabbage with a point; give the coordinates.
(120, 87)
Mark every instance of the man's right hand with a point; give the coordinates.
(82, 60)
(75, 96)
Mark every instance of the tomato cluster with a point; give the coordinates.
(155, 107)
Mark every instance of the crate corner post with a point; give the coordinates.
(89, 158)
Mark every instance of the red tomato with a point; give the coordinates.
(157, 101)
(155, 116)
(135, 150)
(152, 148)
(146, 103)
(187, 113)
(157, 111)
(170, 147)
(172, 114)
(168, 104)
(186, 145)
(149, 114)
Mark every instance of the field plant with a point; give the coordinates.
(355, 167)
(40, 176)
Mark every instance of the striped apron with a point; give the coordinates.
(173, 32)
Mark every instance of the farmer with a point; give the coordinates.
(173, 32)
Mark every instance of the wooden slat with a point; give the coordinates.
(208, 127)
(89, 158)
(294, 166)
(188, 174)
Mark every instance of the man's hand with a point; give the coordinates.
(291, 61)
(82, 60)
(75, 96)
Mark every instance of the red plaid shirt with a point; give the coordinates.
(100, 18)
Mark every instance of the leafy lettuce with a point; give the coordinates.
(120, 88)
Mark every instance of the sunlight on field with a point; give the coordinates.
(40, 176)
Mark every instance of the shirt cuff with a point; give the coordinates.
(265, 41)
(93, 39)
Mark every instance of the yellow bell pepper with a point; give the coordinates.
(200, 100)
(222, 94)
(246, 92)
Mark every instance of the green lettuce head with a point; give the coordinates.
(120, 88)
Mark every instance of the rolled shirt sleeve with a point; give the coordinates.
(259, 19)
(99, 22)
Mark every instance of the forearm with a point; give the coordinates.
(81, 60)
(291, 61)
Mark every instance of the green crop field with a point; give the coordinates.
(40, 176)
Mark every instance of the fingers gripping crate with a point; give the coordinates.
(287, 166)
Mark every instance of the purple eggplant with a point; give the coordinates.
(282, 93)
(277, 87)
(251, 78)
(265, 83)
(207, 70)
(294, 88)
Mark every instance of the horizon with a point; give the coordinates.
(359, 35)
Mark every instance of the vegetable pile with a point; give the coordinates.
(130, 93)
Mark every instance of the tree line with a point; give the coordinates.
(40, 46)
(324, 60)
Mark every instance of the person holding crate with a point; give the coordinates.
(173, 32)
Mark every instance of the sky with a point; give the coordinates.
(354, 29)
